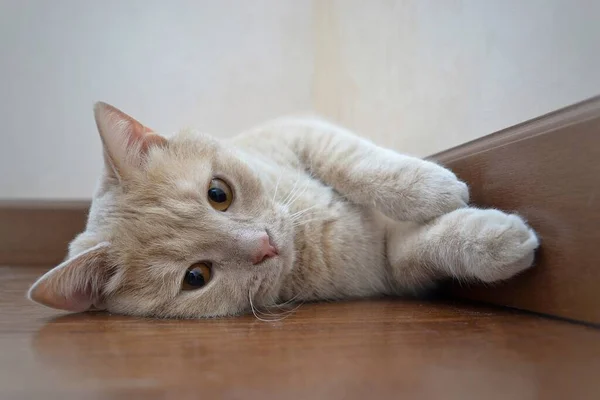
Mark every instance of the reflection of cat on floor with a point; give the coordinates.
(296, 210)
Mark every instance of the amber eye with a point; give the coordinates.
(220, 195)
(196, 276)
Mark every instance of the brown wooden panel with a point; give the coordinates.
(547, 170)
(34, 233)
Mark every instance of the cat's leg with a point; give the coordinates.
(401, 187)
(468, 244)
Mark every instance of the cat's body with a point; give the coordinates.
(315, 213)
(339, 246)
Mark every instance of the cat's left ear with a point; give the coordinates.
(76, 284)
(126, 141)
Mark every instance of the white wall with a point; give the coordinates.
(419, 76)
(218, 65)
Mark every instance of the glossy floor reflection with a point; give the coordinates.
(369, 349)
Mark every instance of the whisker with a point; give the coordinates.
(254, 311)
(268, 315)
(300, 213)
(284, 201)
(291, 299)
(289, 302)
(305, 221)
(299, 193)
(282, 306)
(287, 313)
(296, 194)
(277, 185)
(297, 214)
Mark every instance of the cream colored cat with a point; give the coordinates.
(296, 210)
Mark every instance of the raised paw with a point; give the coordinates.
(437, 191)
(494, 246)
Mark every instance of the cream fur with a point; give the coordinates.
(350, 219)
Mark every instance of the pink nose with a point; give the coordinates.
(265, 250)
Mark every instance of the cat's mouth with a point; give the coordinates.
(272, 243)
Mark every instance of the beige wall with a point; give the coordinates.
(419, 76)
(422, 76)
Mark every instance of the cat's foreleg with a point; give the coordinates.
(467, 244)
(401, 187)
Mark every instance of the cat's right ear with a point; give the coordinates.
(76, 284)
(126, 141)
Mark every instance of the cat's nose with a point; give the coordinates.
(266, 249)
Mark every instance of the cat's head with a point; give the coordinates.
(178, 227)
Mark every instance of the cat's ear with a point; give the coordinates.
(126, 141)
(76, 284)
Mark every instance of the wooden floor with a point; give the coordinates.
(355, 350)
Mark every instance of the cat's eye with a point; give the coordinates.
(196, 276)
(220, 195)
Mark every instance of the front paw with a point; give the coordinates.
(437, 191)
(497, 246)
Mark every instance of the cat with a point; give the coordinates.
(296, 210)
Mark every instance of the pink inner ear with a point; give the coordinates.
(79, 301)
(151, 139)
(75, 301)
(122, 135)
(74, 285)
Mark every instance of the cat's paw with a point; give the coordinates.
(497, 246)
(437, 192)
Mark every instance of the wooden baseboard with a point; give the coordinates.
(38, 232)
(548, 171)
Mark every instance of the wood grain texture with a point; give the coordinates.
(38, 232)
(384, 349)
(547, 170)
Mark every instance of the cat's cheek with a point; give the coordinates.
(128, 305)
